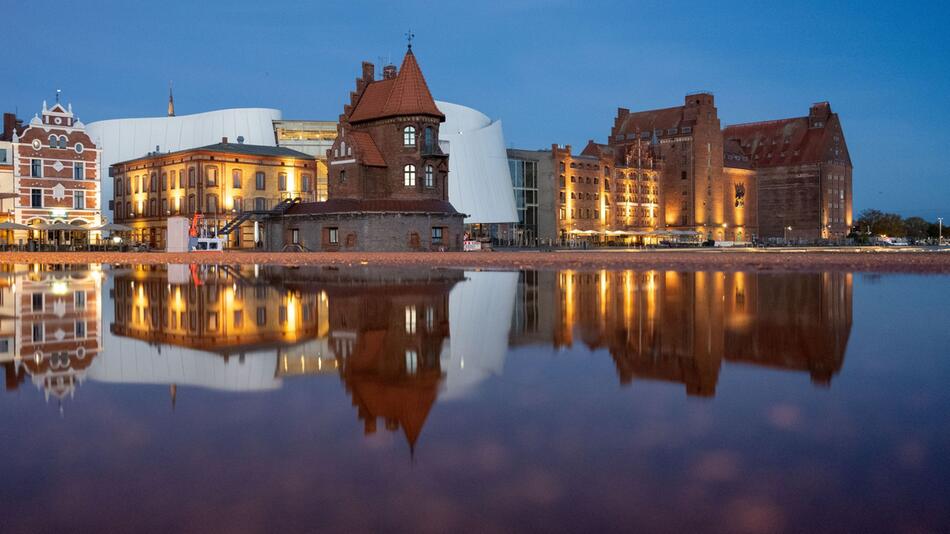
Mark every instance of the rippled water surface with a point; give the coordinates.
(367, 399)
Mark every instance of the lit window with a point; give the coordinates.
(409, 136)
(409, 175)
(333, 236)
(236, 178)
(410, 319)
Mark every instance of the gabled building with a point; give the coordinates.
(803, 173)
(56, 171)
(387, 178)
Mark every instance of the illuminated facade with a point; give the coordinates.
(55, 337)
(219, 181)
(313, 138)
(682, 327)
(56, 173)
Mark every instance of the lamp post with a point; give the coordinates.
(787, 230)
(939, 231)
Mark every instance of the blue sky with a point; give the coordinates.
(553, 71)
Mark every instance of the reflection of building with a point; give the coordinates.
(388, 329)
(224, 315)
(218, 181)
(57, 175)
(680, 327)
(56, 335)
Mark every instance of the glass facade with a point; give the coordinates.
(524, 182)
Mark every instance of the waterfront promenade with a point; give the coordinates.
(862, 259)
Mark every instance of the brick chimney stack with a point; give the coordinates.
(369, 71)
(10, 124)
(389, 72)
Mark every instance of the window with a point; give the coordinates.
(191, 203)
(238, 318)
(164, 184)
(282, 181)
(164, 206)
(259, 181)
(181, 180)
(260, 204)
(118, 186)
(683, 175)
(429, 140)
(409, 175)
(37, 301)
(62, 141)
(238, 204)
(36, 168)
(177, 204)
(151, 208)
(79, 169)
(79, 200)
(409, 136)
(211, 176)
(79, 300)
(53, 141)
(152, 182)
(333, 236)
(261, 316)
(37, 332)
(437, 234)
(80, 329)
(305, 183)
(410, 319)
(191, 177)
(430, 180)
(295, 236)
(173, 179)
(342, 177)
(3, 155)
(36, 198)
(211, 203)
(236, 178)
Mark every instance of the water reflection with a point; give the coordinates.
(400, 340)
(681, 326)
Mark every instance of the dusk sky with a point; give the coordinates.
(552, 71)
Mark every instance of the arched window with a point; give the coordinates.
(342, 177)
(409, 136)
(409, 175)
(430, 179)
(62, 141)
(53, 142)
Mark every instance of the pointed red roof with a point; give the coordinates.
(406, 94)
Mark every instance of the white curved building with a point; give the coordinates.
(125, 139)
(479, 180)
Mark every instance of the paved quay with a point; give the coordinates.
(909, 260)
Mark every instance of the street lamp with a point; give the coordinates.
(787, 230)
(939, 231)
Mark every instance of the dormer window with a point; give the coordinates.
(409, 136)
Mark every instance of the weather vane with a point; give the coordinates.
(409, 36)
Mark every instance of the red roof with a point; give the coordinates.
(367, 147)
(786, 142)
(406, 94)
(376, 205)
(654, 119)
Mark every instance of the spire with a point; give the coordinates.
(171, 101)
(410, 93)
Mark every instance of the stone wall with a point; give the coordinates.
(365, 232)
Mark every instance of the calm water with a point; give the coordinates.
(268, 399)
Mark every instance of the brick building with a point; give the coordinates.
(56, 176)
(803, 173)
(387, 179)
(220, 181)
(672, 174)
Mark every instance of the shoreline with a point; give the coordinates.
(809, 260)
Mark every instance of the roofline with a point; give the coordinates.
(773, 121)
(207, 149)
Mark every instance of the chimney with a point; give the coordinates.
(10, 124)
(224, 140)
(389, 72)
(369, 71)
